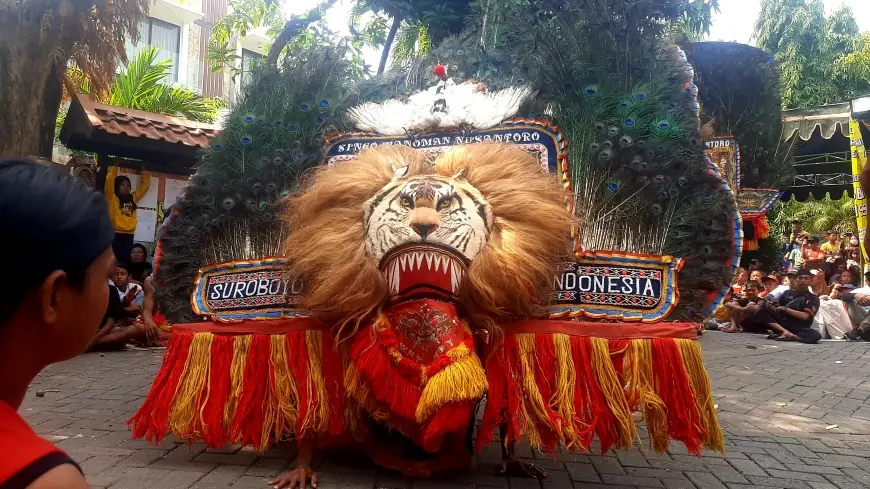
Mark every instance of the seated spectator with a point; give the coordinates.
(847, 276)
(740, 278)
(786, 284)
(832, 320)
(117, 328)
(756, 275)
(139, 268)
(57, 248)
(131, 295)
(791, 317)
(769, 284)
(742, 310)
(858, 305)
(818, 285)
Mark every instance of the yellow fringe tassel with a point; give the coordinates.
(694, 364)
(608, 380)
(462, 380)
(281, 412)
(357, 391)
(192, 387)
(241, 346)
(638, 368)
(562, 400)
(526, 348)
(317, 418)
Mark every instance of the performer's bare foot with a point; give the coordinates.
(511, 466)
(302, 474)
(514, 467)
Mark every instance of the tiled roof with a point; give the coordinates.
(141, 124)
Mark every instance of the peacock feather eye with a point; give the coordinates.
(261, 120)
(628, 122)
(264, 160)
(246, 139)
(656, 208)
(594, 147)
(600, 127)
(292, 127)
(278, 123)
(271, 187)
(591, 91)
(625, 140)
(663, 124)
(624, 105)
(641, 96)
(228, 203)
(304, 107)
(612, 131)
(249, 118)
(613, 186)
(605, 154)
(217, 147)
(319, 120)
(324, 103)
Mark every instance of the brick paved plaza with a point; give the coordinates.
(795, 416)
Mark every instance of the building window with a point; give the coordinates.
(167, 38)
(249, 60)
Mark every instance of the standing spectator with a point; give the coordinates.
(797, 230)
(791, 317)
(122, 208)
(831, 248)
(57, 244)
(795, 256)
(139, 267)
(814, 256)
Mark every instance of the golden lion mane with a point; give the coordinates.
(345, 288)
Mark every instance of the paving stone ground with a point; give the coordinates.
(795, 416)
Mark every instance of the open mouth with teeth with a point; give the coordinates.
(423, 270)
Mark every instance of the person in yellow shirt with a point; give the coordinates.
(122, 209)
(831, 247)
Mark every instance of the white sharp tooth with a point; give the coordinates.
(429, 257)
(454, 278)
(402, 260)
(419, 257)
(396, 276)
(440, 263)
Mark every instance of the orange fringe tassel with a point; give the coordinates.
(254, 389)
(560, 389)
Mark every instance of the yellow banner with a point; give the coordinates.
(859, 159)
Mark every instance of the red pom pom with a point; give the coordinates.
(440, 71)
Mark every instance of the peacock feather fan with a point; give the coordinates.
(232, 206)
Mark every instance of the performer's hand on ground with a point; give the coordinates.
(297, 478)
(514, 467)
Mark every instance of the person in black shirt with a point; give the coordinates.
(791, 317)
(114, 333)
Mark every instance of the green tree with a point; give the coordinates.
(818, 216)
(810, 49)
(39, 41)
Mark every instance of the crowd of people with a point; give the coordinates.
(816, 293)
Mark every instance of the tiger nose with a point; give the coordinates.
(423, 229)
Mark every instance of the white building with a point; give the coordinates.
(181, 29)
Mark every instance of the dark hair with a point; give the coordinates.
(123, 265)
(140, 245)
(796, 221)
(752, 283)
(53, 222)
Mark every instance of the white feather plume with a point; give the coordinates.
(467, 103)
